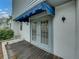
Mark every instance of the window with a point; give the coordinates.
(21, 26)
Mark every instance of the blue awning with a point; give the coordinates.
(36, 10)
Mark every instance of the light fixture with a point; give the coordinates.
(63, 19)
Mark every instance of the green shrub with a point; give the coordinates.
(6, 34)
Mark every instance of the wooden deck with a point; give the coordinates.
(24, 50)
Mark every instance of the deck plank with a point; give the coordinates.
(25, 50)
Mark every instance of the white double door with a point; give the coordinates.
(39, 34)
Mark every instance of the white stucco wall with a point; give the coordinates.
(26, 31)
(77, 41)
(16, 27)
(20, 6)
(64, 33)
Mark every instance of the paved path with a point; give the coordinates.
(1, 53)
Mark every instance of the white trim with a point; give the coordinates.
(51, 37)
(5, 55)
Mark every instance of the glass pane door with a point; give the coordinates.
(41, 32)
(35, 33)
(34, 30)
(44, 32)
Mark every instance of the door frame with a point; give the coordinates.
(48, 48)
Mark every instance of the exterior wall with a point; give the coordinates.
(3, 23)
(20, 6)
(16, 27)
(77, 41)
(64, 33)
(25, 33)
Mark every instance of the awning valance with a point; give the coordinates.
(36, 10)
